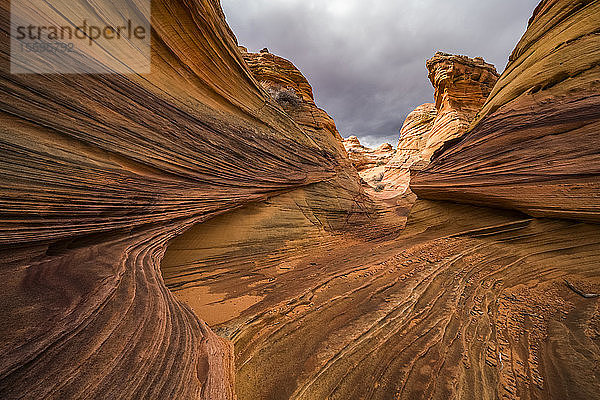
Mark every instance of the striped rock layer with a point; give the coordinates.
(99, 172)
(534, 146)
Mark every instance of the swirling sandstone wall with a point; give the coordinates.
(98, 173)
(534, 146)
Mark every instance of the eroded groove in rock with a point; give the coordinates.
(466, 302)
(534, 146)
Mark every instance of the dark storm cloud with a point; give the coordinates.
(366, 60)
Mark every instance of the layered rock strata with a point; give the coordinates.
(291, 90)
(414, 136)
(363, 157)
(100, 172)
(273, 241)
(466, 302)
(370, 163)
(411, 147)
(462, 85)
(534, 146)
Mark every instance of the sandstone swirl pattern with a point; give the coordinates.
(465, 303)
(98, 173)
(535, 145)
(226, 184)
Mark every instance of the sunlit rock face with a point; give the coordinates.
(100, 172)
(462, 85)
(370, 163)
(411, 145)
(414, 136)
(535, 144)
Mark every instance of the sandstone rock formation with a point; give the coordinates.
(363, 157)
(462, 85)
(414, 136)
(289, 88)
(198, 183)
(535, 145)
(466, 302)
(411, 147)
(100, 172)
(370, 163)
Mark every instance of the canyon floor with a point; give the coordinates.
(457, 302)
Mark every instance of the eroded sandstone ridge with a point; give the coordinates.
(411, 149)
(461, 85)
(370, 163)
(290, 89)
(535, 145)
(414, 136)
(99, 172)
(364, 158)
(466, 302)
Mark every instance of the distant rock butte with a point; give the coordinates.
(534, 146)
(363, 157)
(414, 135)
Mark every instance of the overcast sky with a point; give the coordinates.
(366, 59)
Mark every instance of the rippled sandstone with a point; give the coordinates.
(411, 147)
(193, 193)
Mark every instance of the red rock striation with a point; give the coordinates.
(534, 146)
(100, 172)
(266, 226)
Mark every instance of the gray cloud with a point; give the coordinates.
(366, 60)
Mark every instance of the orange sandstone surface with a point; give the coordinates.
(534, 146)
(201, 233)
(461, 85)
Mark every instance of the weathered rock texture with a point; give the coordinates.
(270, 240)
(290, 89)
(466, 302)
(99, 172)
(363, 157)
(535, 145)
(411, 147)
(414, 136)
(462, 85)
